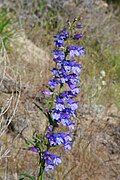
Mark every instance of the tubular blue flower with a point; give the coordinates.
(58, 55)
(61, 37)
(76, 51)
(63, 103)
(55, 72)
(76, 69)
(68, 123)
(53, 83)
(66, 113)
(59, 42)
(73, 104)
(68, 146)
(51, 160)
(75, 91)
(65, 122)
(73, 81)
(59, 106)
(72, 66)
(69, 111)
(50, 128)
(59, 74)
(56, 139)
(55, 114)
(67, 94)
(67, 74)
(59, 99)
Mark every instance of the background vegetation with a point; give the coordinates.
(26, 41)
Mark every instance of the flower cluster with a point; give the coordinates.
(61, 37)
(51, 160)
(66, 78)
(62, 138)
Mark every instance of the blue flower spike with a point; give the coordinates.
(63, 88)
(66, 72)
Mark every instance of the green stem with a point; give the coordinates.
(41, 172)
(42, 167)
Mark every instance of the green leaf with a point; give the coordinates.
(25, 175)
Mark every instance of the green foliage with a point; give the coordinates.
(6, 29)
(23, 176)
(97, 88)
(115, 63)
(117, 2)
(42, 5)
(48, 16)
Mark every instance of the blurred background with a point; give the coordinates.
(27, 28)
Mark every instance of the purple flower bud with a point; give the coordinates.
(78, 36)
(79, 25)
(47, 93)
(34, 149)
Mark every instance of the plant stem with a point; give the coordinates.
(41, 172)
(42, 167)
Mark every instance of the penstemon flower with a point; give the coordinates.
(51, 160)
(61, 37)
(64, 138)
(66, 71)
(61, 93)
